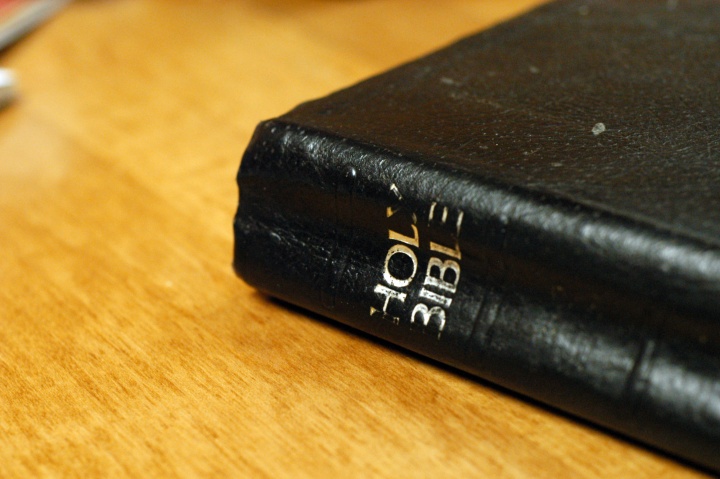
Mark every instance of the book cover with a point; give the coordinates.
(537, 205)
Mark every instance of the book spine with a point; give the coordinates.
(530, 292)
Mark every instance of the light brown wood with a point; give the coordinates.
(127, 346)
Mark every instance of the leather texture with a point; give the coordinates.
(551, 186)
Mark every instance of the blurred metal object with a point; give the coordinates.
(18, 17)
(8, 92)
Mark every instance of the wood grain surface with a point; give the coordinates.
(127, 346)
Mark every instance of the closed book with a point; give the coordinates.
(537, 205)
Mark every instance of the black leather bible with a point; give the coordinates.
(537, 205)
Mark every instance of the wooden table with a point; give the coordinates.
(127, 346)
